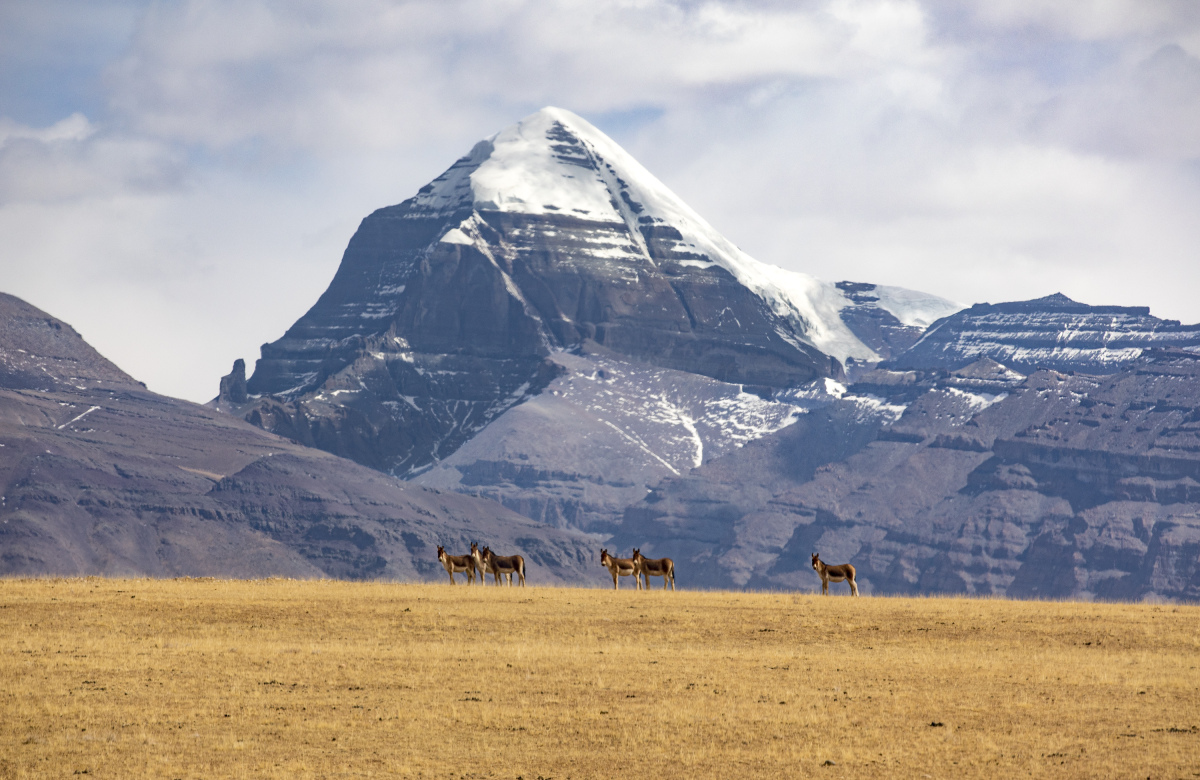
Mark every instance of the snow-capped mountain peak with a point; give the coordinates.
(555, 163)
(545, 237)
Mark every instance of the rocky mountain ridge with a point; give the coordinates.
(1053, 333)
(100, 476)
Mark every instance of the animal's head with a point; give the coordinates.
(603, 555)
(816, 560)
(487, 551)
(636, 553)
(474, 548)
(441, 552)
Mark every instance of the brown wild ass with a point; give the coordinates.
(620, 567)
(661, 567)
(457, 564)
(505, 565)
(838, 573)
(480, 563)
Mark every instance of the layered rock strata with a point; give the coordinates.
(1053, 333)
(1054, 486)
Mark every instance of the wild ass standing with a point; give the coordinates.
(647, 567)
(457, 564)
(480, 563)
(620, 567)
(838, 573)
(505, 565)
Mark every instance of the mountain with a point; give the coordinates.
(1053, 333)
(460, 304)
(978, 480)
(602, 433)
(100, 476)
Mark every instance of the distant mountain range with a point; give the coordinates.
(552, 351)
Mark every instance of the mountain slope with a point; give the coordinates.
(988, 483)
(447, 307)
(600, 435)
(100, 476)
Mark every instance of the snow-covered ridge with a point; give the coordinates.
(912, 307)
(554, 162)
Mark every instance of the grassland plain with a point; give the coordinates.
(278, 678)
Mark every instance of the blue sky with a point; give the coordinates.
(178, 179)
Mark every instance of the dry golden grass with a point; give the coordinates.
(204, 678)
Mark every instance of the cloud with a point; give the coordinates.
(68, 160)
(205, 162)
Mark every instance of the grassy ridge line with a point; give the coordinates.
(279, 678)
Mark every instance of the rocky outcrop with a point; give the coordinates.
(889, 320)
(1053, 333)
(233, 387)
(100, 476)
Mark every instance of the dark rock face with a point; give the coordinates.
(875, 326)
(446, 308)
(1052, 486)
(100, 476)
(1054, 333)
(233, 385)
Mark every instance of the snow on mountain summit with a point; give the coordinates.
(555, 162)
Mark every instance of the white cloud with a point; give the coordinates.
(201, 200)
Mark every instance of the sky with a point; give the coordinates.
(179, 178)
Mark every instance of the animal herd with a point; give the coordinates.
(641, 568)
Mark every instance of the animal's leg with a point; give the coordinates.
(853, 586)
(825, 586)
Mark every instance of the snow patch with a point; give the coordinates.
(874, 407)
(78, 418)
(456, 236)
(913, 308)
(977, 401)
